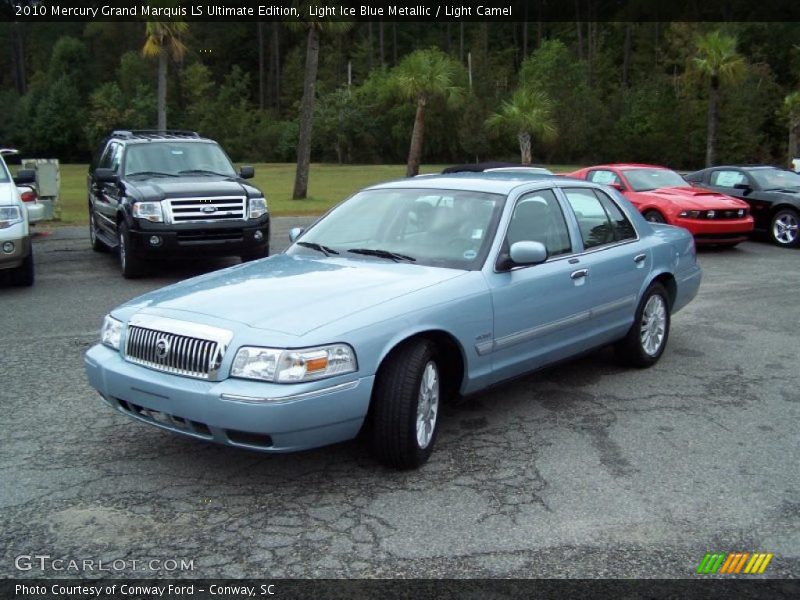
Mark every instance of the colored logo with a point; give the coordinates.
(734, 563)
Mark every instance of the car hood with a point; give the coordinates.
(188, 187)
(289, 294)
(693, 198)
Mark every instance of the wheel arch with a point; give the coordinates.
(783, 204)
(666, 279)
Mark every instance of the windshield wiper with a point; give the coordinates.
(318, 247)
(203, 171)
(151, 174)
(382, 254)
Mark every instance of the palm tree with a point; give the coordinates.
(164, 39)
(716, 58)
(528, 113)
(314, 28)
(791, 112)
(422, 75)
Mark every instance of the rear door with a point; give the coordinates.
(105, 196)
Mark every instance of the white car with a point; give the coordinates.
(16, 253)
(28, 193)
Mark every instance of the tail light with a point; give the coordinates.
(29, 196)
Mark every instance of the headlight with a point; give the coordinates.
(258, 207)
(691, 214)
(111, 333)
(148, 210)
(288, 366)
(10, 215)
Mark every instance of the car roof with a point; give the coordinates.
(497, 182)
(628, 166)
(155, 135)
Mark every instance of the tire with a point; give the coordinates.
(23, 275)
(653, 216)
(647, 338)
(97, 244)
(404, 431)
(256, 255)
(130, 265)
(783, 228)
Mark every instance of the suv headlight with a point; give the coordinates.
(111, 332)
(290, 366)
(148, 210)
(258, 207)
(10, 215)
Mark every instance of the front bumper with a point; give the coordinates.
(187, 240)
(232, 412)
(22, 248)
(719, 231)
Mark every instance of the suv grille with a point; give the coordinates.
(172, 353)
(186, 210)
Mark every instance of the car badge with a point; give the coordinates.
(162, 348)
(209, 209)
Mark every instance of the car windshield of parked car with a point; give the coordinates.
(177, 159)
(643, 180)
(446, 228)
(775, 179)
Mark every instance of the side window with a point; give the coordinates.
(105, 158)
(593, 221)
(116, 157)
(538, 218)
(603, 176)
(623, 230)
(727, 178)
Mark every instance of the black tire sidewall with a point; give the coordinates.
(630, 348)
(775, 217)
(659, 217)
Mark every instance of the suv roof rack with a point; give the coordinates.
(154, 134)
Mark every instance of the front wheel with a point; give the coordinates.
(23, 274)
(654, 216)
(131, 265)
(406, 402)
(784, 228)
(647, 338)
(97, 244)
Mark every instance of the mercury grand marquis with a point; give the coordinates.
(406, 293)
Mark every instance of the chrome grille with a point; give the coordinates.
(186, 210)
(176, 347)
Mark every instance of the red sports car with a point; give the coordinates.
(663, 196)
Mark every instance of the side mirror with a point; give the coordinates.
(745, 187)
(294, 233)
(25, 176)
(105, 176)
(246, 172)
(527, 253)
(617, 186)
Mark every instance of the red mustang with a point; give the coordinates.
(663, 196)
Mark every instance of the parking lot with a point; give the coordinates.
(583, 470)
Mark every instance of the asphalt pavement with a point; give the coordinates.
(583, 470)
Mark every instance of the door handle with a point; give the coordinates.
(579, 273)
(639, 258)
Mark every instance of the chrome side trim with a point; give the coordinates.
(612, 306)
(340, 387)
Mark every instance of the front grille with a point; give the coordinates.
(186, 210)
(724, 214)
(166, 420)
(172, 353)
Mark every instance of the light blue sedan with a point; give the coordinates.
(405, 294)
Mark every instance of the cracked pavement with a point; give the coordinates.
(583, 470)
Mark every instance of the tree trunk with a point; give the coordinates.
(18, 56)
(711, 143)
(524, 147)
(792, 150)
(394, 43)
(371, 54)
(579, 26)
(162, 90)
(381, 50)
(261, 82)
(626, 55)
(415, 151)
(275, 66)
(461, 41)
(306, 115)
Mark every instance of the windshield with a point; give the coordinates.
(4, 176)
(642, 180)
(177, 158)
(775, 179)
(446, 228)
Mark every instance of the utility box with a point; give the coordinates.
(48, 183)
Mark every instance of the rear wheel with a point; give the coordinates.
(131, 265)
(784, 230)
(647, 338)
(97, 245)
(654, 216)
(23, 274)
(406, 403)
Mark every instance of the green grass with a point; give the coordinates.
(328, 185)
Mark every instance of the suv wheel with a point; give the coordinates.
(23, 274)
(130, 264)
(97, 245)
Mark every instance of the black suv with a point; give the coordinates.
(164, 194)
